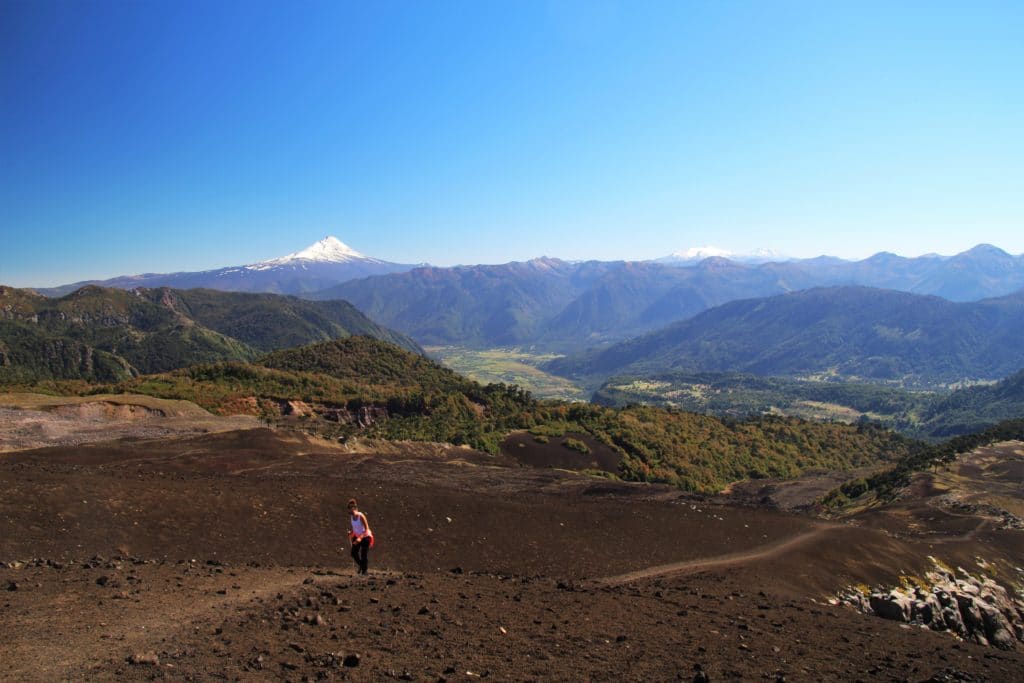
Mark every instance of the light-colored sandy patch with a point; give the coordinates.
(29, 421)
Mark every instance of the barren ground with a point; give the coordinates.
(217, 552)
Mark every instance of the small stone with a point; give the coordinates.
(351, 660)
(103, 581)
(144, 659)
(12, 585)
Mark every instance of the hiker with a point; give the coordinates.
(360, 535)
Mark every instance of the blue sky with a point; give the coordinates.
(154, 137)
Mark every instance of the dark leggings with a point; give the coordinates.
(359, 552)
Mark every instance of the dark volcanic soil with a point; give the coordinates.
(217, 554)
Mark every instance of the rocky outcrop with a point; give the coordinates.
(296, 408)
(362, 416)
(974, 608)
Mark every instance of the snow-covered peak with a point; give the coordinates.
(328, 250)
(695, 254)
(699, 253)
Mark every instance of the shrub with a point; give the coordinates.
(577, 445)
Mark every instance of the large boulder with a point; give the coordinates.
(895, 606)
(998, 630)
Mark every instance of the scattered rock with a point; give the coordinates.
(351, 660)
(144, 659)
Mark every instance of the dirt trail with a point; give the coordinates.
(719, 561)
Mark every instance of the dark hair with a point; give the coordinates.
(352, 502)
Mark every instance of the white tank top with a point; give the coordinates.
(358, 528)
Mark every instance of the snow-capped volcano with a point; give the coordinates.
(328, 250)
(319, 266)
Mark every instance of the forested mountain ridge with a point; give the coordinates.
(101, 334)
(849, 333)
(553, 303)
(568, 306)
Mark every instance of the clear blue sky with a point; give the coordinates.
(161, 136)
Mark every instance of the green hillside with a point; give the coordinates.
(104, 335)
(974, 408)
(28, 355)
(371, 388)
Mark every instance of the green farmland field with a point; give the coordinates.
(509, 366)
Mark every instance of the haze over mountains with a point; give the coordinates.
(568, 306)
(563, 306)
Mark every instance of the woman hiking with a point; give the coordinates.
(360, 535)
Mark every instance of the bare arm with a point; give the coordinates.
(366, 524)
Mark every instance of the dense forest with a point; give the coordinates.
(109, 335)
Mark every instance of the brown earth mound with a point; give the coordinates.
(222, 555)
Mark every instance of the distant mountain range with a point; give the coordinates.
(568, 306)
(102, 334)
(848, 333)
(321, 265)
